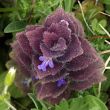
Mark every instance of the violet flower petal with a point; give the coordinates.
(24, 82)
(36, 77)
(65, 21)
(51, 65)
(45, 63)
(41, 58)
(61, 81)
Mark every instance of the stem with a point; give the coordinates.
(99, 88)
(96, 2)
(107, 42)
(5, 89)
(95, 37)
(105, 14)
(47, 103)
(104, 30)
(106, 51)
(34, 86)
(13, 108)
(84, 18)
(31, 12)
(106, 63)
(107, 67)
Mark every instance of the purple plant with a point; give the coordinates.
(48, 52)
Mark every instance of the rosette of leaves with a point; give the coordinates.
(58, 55)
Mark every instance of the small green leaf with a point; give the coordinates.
(57, 107)
(103, 23)
(100, 31)
(84, 107)
(36, 102)
(94, 24)
(15, 26)
(46, 103)
(3, 106)
(44, 108)
(94, 102)
(76, 103)
(63, 104)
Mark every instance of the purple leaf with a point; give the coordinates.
(21, 55)
(82, 61)
(86, 72)
(82, 85)
(74, 50)
(55, 77)
(24, 43)
(49, 53)
(61, 29)
(35, 37)
(50, 39)
(60, 45)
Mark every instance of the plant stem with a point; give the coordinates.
(104, 30)
(47, 103)
(99, 88)
(5, 89)
(13, 108)
(84, 18)
(95, 37)
(31, 11)
(34, 86)
(106, 63)
(106, 51)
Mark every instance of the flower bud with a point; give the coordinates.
(10, 76)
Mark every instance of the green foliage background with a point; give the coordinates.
(15, 15)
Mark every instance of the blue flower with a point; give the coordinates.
(36, 77)
(61, 81)
(45, 63)
(27, 81)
